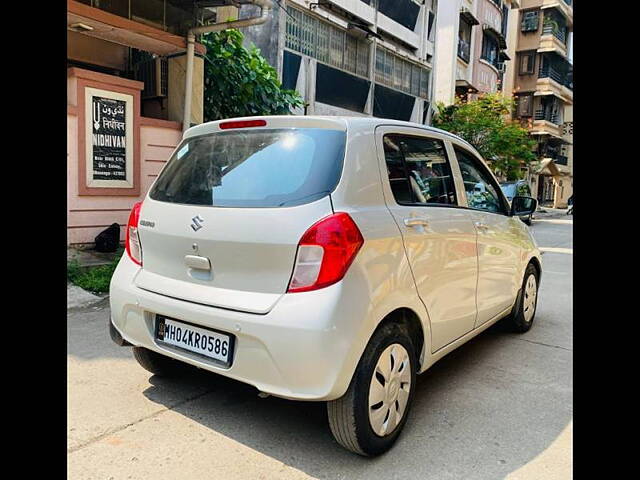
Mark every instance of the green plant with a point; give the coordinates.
(240, 82)
(486, 125)
(93, 279)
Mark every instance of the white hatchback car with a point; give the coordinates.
(322, 258)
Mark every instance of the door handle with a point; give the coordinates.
(416, 221)
(197, 262)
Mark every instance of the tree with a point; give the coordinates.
(240, 82)
(484, 124)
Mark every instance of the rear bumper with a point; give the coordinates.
(305, 348)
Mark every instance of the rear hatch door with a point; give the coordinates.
(221, 224)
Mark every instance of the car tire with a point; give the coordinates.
(521, 319)
(349, 416)
(157, 364)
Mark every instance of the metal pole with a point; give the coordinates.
(186, 122)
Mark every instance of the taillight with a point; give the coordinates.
(132, 244)
(325, 253)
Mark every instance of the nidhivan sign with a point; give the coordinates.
(109, 139)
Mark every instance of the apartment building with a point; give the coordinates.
(472, 51)
(541, 79)
(352, 57)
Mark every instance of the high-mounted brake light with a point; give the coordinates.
(325, 252)
(132, 244)
(243, 124)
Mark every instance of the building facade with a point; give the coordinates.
(353, 57)
(542, 84)
(472, 51)
(125, 103)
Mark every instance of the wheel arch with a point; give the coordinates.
(409, 319)
(535, 261)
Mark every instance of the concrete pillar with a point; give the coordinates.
(175, 104)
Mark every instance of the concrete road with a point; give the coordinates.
(498, 407)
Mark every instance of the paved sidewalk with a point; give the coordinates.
(547, 212)
(89, 257)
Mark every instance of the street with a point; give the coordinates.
(500, 406)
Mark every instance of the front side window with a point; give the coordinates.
(481, 189)
(253, 168)
(419, 172)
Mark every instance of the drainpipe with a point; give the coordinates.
(265, 8)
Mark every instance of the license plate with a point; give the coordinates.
(203, 341)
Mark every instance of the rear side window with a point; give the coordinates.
(253, 168)
(419, 172)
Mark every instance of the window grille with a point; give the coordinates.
(396, 72)
(327, 43)
(530, 21)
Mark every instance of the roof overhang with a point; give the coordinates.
(113, 28)
(502, 42)
(468, 16)
(542, 132)
(562, 8)
(362, 29)
(548, 164)
(465, 84)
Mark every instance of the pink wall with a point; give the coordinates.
(88, 215)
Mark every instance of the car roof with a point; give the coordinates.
(323, 121)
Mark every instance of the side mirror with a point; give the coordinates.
(522, 206)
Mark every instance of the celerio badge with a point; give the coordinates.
(197, 222)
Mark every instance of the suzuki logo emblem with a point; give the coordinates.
(197, 222)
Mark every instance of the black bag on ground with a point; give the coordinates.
(108, 240)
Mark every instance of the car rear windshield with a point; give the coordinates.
(253, 168)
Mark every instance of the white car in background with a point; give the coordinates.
(297, 254)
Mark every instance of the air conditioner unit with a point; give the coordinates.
(154, 73)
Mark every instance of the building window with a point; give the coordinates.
(530, 21)
(319, 39)
(524, 105)
(490, 49)
(396, 72)
(505, 20)
(464, 41)
(527, 63)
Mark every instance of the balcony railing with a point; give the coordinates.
(565, 79)
(557, 31)
(547, 115)
(464, 50)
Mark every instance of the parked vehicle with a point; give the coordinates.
(518, 188)
(323, 258)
